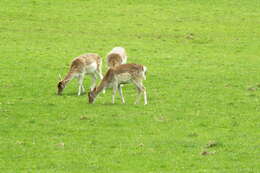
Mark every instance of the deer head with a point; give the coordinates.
(92, 96)
(60, 87)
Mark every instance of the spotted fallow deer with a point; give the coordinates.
(122, 74)
(116, 57)
(87, 64)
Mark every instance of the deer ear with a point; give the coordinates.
(60, 78)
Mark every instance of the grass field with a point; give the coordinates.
(203, 86)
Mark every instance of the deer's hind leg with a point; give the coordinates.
(141, 90)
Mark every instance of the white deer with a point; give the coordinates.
(122, 74)
(87, 64)
(116, 57)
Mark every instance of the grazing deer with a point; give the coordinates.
(87, 64)
(122, 74)
(116, 57)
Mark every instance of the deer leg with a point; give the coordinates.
(114, 93)
(100, 71)
(141, 90)
(138, 95)
(145, 97)
(93, 82)
(121, 93)
(81, 79)
(82, 88)
(82, 85)
(99, 74)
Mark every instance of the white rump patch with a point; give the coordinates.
(121, 51)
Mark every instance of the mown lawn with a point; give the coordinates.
(203, 84)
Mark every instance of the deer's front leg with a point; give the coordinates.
(93, 82)
(121, 93)
(81, 87)
(114, 93)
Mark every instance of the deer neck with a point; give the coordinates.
(67, 78)
(100, 88)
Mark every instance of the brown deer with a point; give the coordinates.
(122, 74)
(116, 57)
(87, 64)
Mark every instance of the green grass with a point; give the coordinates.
(203, 62)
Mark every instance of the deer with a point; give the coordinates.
(122, 74)
(116, 57)
(86, 64)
